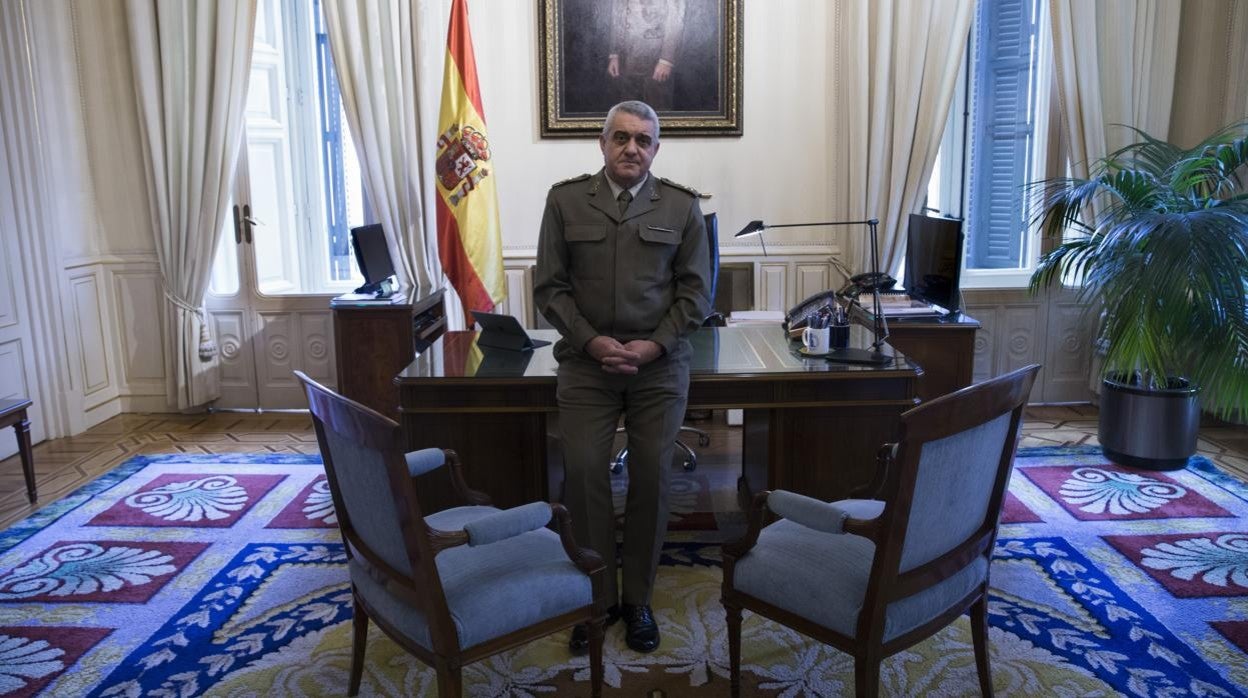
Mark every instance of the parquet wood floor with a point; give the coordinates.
(63, 465)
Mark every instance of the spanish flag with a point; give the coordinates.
(470, 243)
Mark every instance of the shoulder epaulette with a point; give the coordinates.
(569, 180)
(688, 190)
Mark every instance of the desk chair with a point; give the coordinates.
(872, 577)
(714, 319)
(458, 585)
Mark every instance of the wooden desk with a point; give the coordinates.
(13, 414)
(374, 342)
(810, 426)
(944, 347)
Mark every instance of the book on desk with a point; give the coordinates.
(898, 305)
(348, 299)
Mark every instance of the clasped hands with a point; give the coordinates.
(662, 69)
(623, 358)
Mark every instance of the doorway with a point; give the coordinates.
(297, 191)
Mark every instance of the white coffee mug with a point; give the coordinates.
(816, 341)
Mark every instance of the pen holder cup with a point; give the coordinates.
(839, 336)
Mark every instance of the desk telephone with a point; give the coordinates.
(800, 314)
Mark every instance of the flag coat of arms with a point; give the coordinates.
(470, 243)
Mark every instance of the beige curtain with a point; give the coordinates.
(1210, 90)
(895, 65)
(387, 54)
(191, 62)
(1114, 63)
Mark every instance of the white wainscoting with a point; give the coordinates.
(88, 314)
(781, 279)
(117, 310)
(1051, 328)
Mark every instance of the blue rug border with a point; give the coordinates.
(1091, 589)
(202, 617)
(17, 533)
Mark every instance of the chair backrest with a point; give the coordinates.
(374, 499)
(712, 240)
(715, 318)
(945, 489)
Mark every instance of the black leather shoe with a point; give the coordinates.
(579, 642)
(642, 634)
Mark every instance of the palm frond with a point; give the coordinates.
(1159, 236)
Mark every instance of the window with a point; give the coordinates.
(303, 176)
(994, 142)
(1009, 106)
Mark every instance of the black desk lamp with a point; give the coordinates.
(874, 355)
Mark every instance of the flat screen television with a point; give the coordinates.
(934, 260)
(373, 256)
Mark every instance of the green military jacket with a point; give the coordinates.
(641, 275)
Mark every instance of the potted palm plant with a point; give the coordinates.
(1157, 238)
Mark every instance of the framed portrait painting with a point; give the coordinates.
(682, 57)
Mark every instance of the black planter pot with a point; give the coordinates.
(1149, 429)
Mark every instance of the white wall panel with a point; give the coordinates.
(772, 284)
(317, 338)
(139, 308)
(88, 318)
(278, 347)
(1068, 357)
(8, 296)
(234, 343)
(12, 377)
(811, 279)
(13, 385)
(519, 300)
(985, 342)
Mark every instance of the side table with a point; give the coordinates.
(13, 414)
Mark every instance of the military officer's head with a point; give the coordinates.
(629, 140)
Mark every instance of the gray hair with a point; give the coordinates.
(637, 108)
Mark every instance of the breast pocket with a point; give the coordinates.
(658, 247)
(587, 247)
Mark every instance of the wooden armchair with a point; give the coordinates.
(872, 577)
(458, 585)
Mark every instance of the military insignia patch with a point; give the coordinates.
(569, 180)
(462, 155)
(687, 190)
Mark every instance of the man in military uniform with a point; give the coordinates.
(623, 274)
(645, 37)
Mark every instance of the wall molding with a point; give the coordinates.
(136, 259)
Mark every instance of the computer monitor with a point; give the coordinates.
(373, 256)
(934, 260)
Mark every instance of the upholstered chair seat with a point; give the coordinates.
(824, 578)
(491, 590)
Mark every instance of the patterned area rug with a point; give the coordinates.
(224, 575)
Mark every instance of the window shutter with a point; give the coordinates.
(1003, 132)
(333, 179)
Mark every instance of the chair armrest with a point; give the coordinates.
(425, 460)
(508, 523)
(884, 458)
(828, 517)
(742, 545)
(585, 559)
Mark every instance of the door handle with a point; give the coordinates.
(248, 222)
(238, 227)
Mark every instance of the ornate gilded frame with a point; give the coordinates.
(573, 97)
